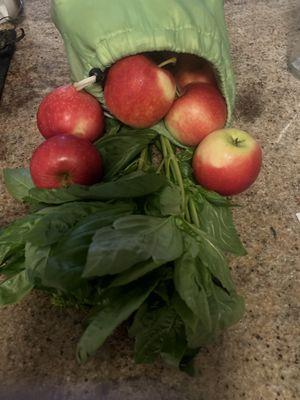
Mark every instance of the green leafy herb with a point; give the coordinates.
(35, 262)
(189, 285)
(166, 202)
(158, 330)
(226, 309)
(14, 288)
(118, 305)
(112, 126)
(18, 182)
(13, 238)
(57, 221)
(61, 266)
(118, 151)
(137, 184)
(218, 223)
(209, 253)
(13, 264)
(134, 273)
(132, 240)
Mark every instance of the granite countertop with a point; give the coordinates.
(258, 359)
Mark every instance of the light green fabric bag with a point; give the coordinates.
(97, 33)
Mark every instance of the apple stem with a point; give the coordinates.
(85, 82)
(172, 60)
(237, 142)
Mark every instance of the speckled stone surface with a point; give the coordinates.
(258, 359)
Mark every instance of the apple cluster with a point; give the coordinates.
(70, 120)
(140, 94)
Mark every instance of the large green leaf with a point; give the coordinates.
(214, 260)
(14, 288)
(190, 319)
(134, 273)
(189, 285)
(212, 197)
(131, 240)
(175, 344)
(118, 306)
(17, 231)
(166, 202)
(119, 150)
(58, 220)
(18, 182)
(14, 237)
(226, 309)
(137, 184)
(68, 256)
(13, 264)
(158, 331)
(218, 223)
(35, 262)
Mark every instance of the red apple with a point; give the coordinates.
(192, 69)
(199, 111)
(66, 111)
(227, 161)
(64, 160)
(138, 92)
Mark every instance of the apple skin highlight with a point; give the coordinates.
(138, 92)
(227, 161)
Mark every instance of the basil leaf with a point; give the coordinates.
(213, 197)
(13, 237)
(68, 256)
(189, 285)
(162, 130)
(190, 319)
(175, 344)
(226, 309)
(118, 151)
(131, 240)
(185, 162)
(45, 275)
(213, 259)
(57, 221)
(112, 126)
(119, 304)
(218, 223)
(158, 331)
(166, 202)
(187, 363)
(18, 182)
(35, 262)
(17, 231)
(13, 265)
(137, 184)
(134, 273)
(14, 288)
